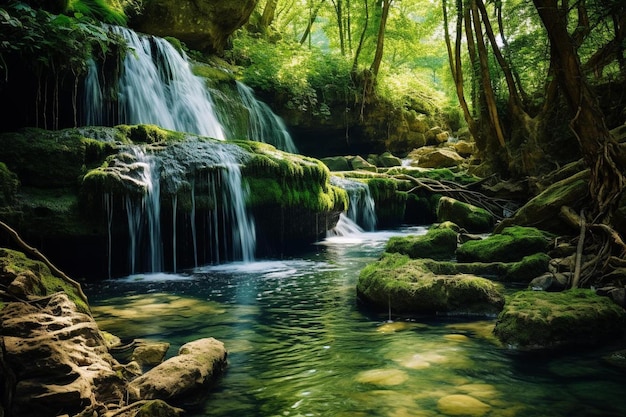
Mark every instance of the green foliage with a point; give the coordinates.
(309, 79)
(50, 43)
(101, 10)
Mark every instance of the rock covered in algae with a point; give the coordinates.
(471, 218)
(535, 320)
(437, 243)
(462, 405)
(182, 377)
(510, 245)
(406, 286)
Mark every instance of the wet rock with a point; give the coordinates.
(181, 379)
(149, 353)
(471, 218)
(464, 148)
(550, 282)
(336, 163)
(539, 320)
(358, 163)
(407, 286)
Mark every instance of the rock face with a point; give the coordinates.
(58, 359)
(204, 25)
(534, 320)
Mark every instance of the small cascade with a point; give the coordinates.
(144, 214)
(361, 209)
(206, 177)
(345, 227)
(156, 86)
(263, 124)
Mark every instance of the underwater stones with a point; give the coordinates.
(437, 243)
(471, 218)
(510, 245)
(462, 405)
(408, 286)
(385, 377)
(537, 320)
(198, 364)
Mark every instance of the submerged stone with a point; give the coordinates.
(536, 320)
(462, 405)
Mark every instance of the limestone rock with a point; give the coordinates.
(539, 320)
(180, 378)
(471, 218)
(203, 25)
(52, 335)
(429, 157)
(149, 353)
(464, 148)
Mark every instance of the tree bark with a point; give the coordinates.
(268, 14)
(380, 43)
(598, 148)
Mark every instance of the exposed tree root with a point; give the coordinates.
(34, 252)
(497, 207)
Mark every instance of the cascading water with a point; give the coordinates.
(156, 86)
(263, 124)
(207, 176)
(361, 210)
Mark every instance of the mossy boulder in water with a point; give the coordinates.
(535, 320)
(511, 245)
(471, 218)
(437, 243)
(407, 286)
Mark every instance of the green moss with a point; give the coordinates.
(390, 202)
(539, 320)
(473, 219)
(14, 263)
(149, 134)
(212, 73)
(437, 243)
(511, 245)
(8, 185)
(439, 174)
(406, 285)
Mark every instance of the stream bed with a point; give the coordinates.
(299, 345)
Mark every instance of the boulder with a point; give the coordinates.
(388, 160)
(183, 378)
(437, 243)
(429, 157)
(404, 285)
(471, 218)
(464, 148)
(539, 320)
(149, 353)
(358, 163)
(511, 245)
(336, 163)
(202, 25)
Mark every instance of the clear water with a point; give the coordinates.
(300, 346)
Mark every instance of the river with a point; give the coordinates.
(299, 345)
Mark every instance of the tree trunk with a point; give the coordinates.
(380, 43)
(355, 61)
(312, 17)
(598, 148)
(268, 14)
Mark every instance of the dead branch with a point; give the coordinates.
(495, 206)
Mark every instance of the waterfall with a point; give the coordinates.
(207, 175)
(263, 124)
(156, 86)
(361, 209)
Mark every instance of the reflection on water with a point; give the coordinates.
(299, 345)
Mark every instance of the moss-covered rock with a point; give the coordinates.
(511, 245)
(389, 199)
(8, 185)
(406, 286)
(437, 243)
(471, 218)
(533, 320)
(23, 277)
(543, 210)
